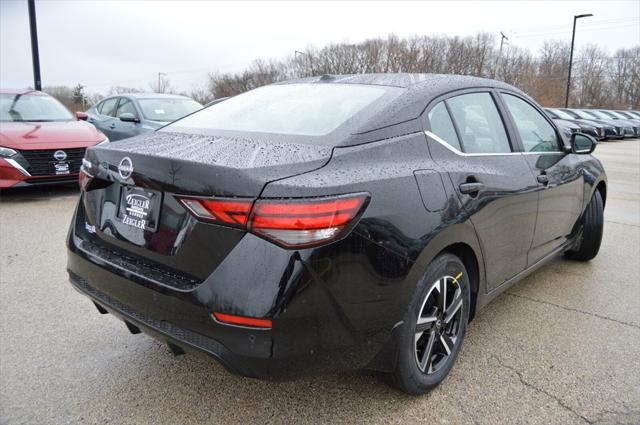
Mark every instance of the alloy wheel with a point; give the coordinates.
(439, 324)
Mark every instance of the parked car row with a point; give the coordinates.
(599, 123)
(42, 143)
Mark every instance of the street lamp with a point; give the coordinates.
(35, 55)
(573, 37)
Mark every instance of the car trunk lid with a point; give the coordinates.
(161, 167)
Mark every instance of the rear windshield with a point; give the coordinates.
(291, 109)
(34, 108)
(167, 109)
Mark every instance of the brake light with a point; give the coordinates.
(251, 322)
(305, 222)
(290, 223)
(234, 213)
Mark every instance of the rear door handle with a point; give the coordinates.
(543, 179)
(468, 188)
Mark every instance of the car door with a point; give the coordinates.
(105, 117)
(124, 129)
(558, 177)
(467, 135)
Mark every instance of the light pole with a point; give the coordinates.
(35, 55)
(573, 37)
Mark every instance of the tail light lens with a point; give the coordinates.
(305, 222)
(290, 223)
(233, 213)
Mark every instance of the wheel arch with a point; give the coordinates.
(462, 241)
(468, 257)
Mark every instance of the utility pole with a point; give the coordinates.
(499, 59)
(573, 38)
(35, 54)
(160, 75)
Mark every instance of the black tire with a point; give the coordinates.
(592, 226)
(408, 375)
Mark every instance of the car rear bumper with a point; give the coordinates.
(180, 340)
(319, 324)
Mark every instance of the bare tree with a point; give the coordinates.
(201, 93)
(592, 85)
(598, 80)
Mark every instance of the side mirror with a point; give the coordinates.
(128, 117)
(582, 143)
(82, 116)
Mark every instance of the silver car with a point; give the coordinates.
(127, 115)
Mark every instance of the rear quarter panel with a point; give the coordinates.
(402, 236)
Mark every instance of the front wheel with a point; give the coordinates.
(434, 326)
(592, 226)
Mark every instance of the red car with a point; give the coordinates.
(41, 142)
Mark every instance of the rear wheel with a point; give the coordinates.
(434, 326)
(592, 226)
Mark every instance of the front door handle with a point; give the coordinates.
(112, 126)
(543, 179)
(470, 188)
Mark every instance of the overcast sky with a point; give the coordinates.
(106, 43)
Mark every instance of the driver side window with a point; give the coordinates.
(108, 107)
(536, 133)
(126, 107)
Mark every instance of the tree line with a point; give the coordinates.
(599, 79)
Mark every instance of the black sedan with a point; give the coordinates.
(613, 130)
(617, 116)
(630, 127)
(333, 222)
(564, 121)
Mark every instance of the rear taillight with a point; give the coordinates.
(305, 222)
(290, 223)
(229, 212)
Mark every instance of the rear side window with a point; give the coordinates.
(108, 107)
(479, 123)
(442, 126)
(536, 133)
(296, 109)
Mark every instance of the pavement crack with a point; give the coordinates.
(599, 316)
(541, 390)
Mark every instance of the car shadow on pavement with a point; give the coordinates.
(206, 387)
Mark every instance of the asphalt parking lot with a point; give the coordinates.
(561, 347)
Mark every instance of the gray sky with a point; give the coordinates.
(105, 43)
